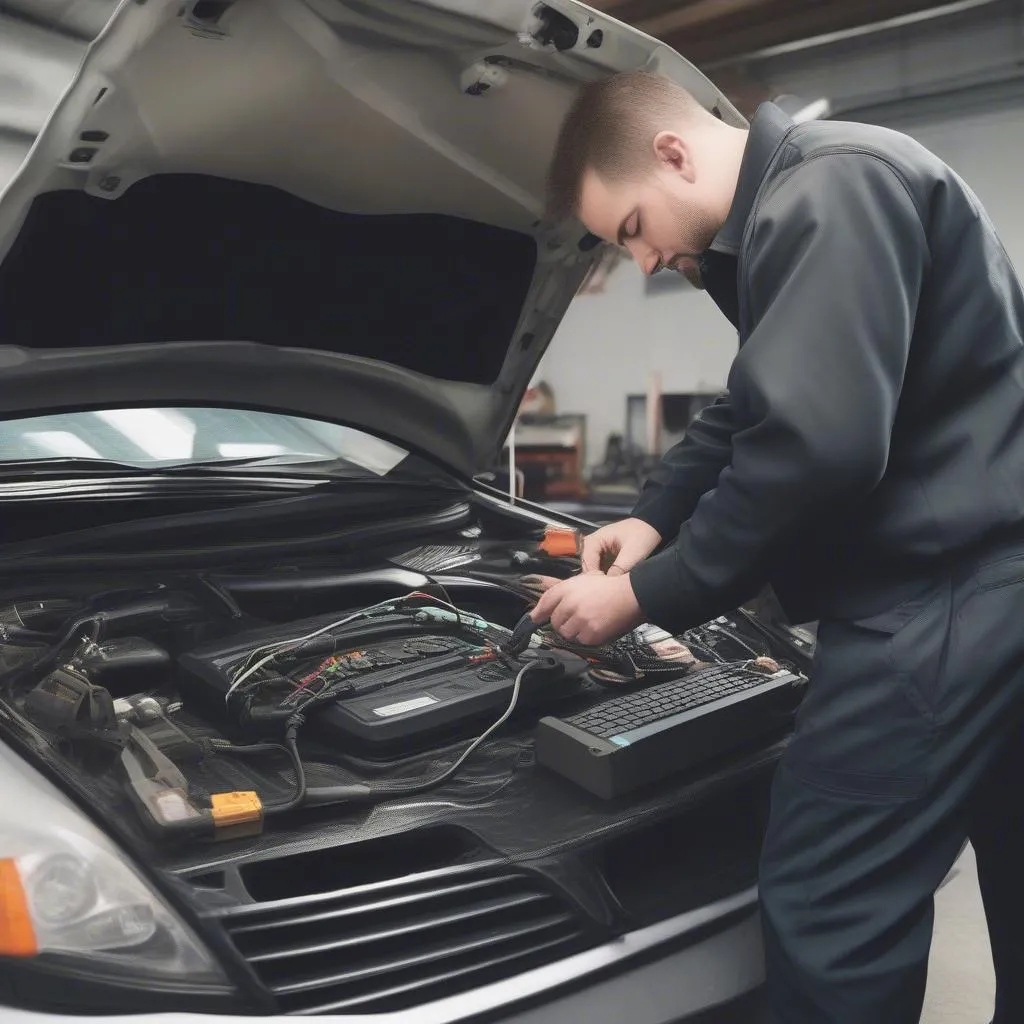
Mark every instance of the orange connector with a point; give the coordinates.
(562, 542)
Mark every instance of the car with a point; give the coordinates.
(273, 280)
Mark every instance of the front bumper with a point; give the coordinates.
(699, 967)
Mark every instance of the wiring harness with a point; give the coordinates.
(643, 655)
(265, 695)
(264, 689)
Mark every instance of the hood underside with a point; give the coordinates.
(331, 208)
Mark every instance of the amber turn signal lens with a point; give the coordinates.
(17, 934)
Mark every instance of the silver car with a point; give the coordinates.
(273, 280)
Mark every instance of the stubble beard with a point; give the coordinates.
(689, 265)
(691, 271)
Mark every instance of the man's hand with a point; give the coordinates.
(616, 548)
(590, 609)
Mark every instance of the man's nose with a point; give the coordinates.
(646, 258)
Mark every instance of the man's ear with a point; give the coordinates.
(673, 154)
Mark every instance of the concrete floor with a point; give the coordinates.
(960, 981)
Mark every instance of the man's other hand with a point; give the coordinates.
(616, 548)
(590, 609)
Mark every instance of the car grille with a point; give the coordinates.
(394, 945)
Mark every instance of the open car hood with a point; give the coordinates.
(330, 208)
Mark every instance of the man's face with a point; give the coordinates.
(661, 218)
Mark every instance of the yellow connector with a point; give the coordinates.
(230, 809)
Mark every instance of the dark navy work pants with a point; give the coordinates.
(910, 741)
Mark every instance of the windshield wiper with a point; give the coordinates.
(39, 477)
(59, 466)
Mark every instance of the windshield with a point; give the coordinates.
(180, 437)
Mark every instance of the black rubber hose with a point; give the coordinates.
(46, 661)
(290, 747)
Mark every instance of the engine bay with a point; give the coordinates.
(239, 709)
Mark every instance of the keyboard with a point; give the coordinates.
(647, 734)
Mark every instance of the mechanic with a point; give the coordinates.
(867, 461)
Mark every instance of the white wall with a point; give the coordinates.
(608, 345)
(956, 84)
(987, 150)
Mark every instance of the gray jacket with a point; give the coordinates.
(872, 433)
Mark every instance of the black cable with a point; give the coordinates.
(224, 747)
(445, 595)
(93, 622)
(692, 638)
(385, 791)
(359, 792)
(221, 594)
(299, 796)
(290, 747)
(735, 638)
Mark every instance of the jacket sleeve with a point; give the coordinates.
(688, 470)
(835, 264)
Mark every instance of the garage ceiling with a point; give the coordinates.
(715, 32)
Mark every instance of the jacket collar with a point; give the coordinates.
(768, 129)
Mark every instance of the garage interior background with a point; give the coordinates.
(631, 356)
(952, 75)
(633, 361)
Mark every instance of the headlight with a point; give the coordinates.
(72, 904)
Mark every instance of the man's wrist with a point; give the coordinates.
(662, 520)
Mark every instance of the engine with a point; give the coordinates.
(217, 703)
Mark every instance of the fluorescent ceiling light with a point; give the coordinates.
(160, 434)
(242, 450)
(815, 111)
(63, 443)
(801, 109)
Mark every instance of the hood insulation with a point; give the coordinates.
(195, 258)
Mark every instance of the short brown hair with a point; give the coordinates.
(610, 128)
